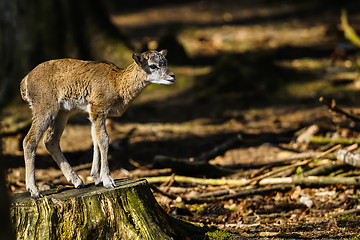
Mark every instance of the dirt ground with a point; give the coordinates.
(279, 58)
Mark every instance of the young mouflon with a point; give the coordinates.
(56, 87)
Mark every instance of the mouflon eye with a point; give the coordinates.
(153, 66)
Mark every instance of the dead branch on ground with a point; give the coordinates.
(333, 107)
(347, 157)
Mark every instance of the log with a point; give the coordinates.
(128, 211)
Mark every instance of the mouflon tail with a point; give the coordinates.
(23, 89)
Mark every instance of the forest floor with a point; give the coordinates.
(251, 69)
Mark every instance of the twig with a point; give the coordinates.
(172, 180)
(156, 189)
(325, 140)
(349, 32)
(346, 212)
(322, 170)
(332, 106)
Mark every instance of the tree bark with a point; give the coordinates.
(32, 31)
(128, 211)
(5, 226)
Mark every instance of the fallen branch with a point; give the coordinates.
(346, 212)
(156, 189)
(280, 184)
(326, 140)
(239, 193)
(237, 182)
(216, 193)
(170, 183)
(312, 180)
(332, 106)
(350, 158)
(139, 173)
(305, 136)
(201, 181)
(322, 170)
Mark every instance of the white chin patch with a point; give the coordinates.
(162, 81)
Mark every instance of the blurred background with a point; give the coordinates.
(242, 66)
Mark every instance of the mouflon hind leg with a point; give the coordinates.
(30, 143)
(52, 144)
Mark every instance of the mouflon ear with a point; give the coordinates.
(163, 52)
(140, 60)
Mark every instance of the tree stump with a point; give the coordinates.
(128, 211)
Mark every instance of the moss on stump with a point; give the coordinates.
(128, 211)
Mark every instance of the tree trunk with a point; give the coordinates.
(5, 226)
(32, 31)
(128, 211)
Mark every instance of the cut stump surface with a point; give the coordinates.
(128, 211)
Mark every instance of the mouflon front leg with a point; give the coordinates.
(102, 138)
(95, 168)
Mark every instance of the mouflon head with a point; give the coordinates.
(155, 65)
